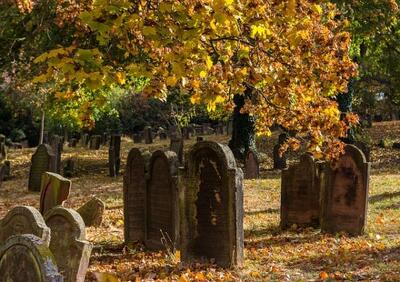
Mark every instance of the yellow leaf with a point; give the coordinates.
(184, 278)
(203, 74)
(317, 8)
(105, 277)
(172, 80)
(209, 62)
(149, 30)
(323, 275)
(120, 76)
(200, 276)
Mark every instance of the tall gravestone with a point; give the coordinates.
(280, 161)
(42, 160)
(56, 145)
(345, 193)
(251, 165)
(68, 243)
(162, 220)
(300, 194)
(186, 133)
(84, 140)
(137, 138)
(176, 145)
(3, 148)
(134, 196)
(54, 191)
(24, 220)
(26, 258)
(114, 155)
(211, 207)
(95, 142)
(148, 135)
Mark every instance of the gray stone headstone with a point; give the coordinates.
(70, 167)
(95, 142)
(23, 220)
(345, 193)
(176, 146)
(92, 212)
(42, 160)
(114, 155)
(148, 135)
(54, 191)
(211, 205)
(251, 165)
(68, 243)
(27, 258)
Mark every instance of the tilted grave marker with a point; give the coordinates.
(54, 191)
(92, 212)
(251, 165)
(42, 160)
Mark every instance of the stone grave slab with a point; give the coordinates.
(54, 191)
(92, 212)
(251, 165)
(42, 161)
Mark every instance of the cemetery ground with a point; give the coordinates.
(270, 254)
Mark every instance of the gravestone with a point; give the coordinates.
(162, 134)
(68, 243)
(92, 212)
(161, 201)
(70, 167)
(211, 205)
(219, 129)
(3, 148)
(137, 138)
(300, 191)
(54, 191)
(45, 137)
(104, 139)
(23, 220)
(42, 160)
(114, 155)
(26, 258)
(148, 135)
(173, 131)
(56, 145)
(134, 196)
(199, 138)
(280, 161)
(345, 193)
(176, 145)
(229, 127)
(72, 142)
(84, 140)
(95, 142)
(186, 133)
(251, 165)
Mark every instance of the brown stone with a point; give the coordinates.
(42, 160)
(211, 207)
(54, 191)
(92, 212)
(345, 193)
(251, 165)
(68, 243)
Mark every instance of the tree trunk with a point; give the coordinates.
(42, 128)
(243, 137)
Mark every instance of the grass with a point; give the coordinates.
(270, 254)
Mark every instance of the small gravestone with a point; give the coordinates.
(137, 138)
(219, 129)
(42, 160)
(23, 220)
(27, 258)
(72, 142)
(198, 129)
(176, 145)
(70, 167)
(114, 155)
(45, 137)
(54, 191)
(199, 138)
(345, 193)
(162, 134)
(104, 139)
(92, 212)
(251, 165)
(211, 186)
(280, 160)
(57, 146)
(300, 191)
(148, 135)
(68, 243)
(134, 197)
(3, 148)
(95, 142)
(84, 140)
(162, 221)
(186, 133)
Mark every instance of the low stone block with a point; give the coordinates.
(92, 212)
(55, 190)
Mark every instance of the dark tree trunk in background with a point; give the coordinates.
(345, 102)
(243, 129)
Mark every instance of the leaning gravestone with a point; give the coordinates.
(54, 191)
(161, 202)
(211, 188)
(27, 258)
(345, 193)
(68, 243)
(95, 142)
(176, 145)
(251, 165)
(57, 146)
(23, 220)
(114, 155)
(42, 161)
(148, 135)
(300, 191)
(92, 212)
(134, 197)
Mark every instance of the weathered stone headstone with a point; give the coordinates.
(229, 127)
(72, 142)
(345, 193)
(251, 165)
(162, 134)
(92, 212)
(280, 161)
(46, 137)
(23, 220)
(162, 208)
(70, 167)
(211, 194)
(84, 140)
(104, 139)
(42, 160)
(176, 145)
(186, 133)
(26, 258)
(68, 243)
(219, 129)
(3, 148)
(199, 138)
(54, 191)
(134, 197)
(114, 155)
(57, 146)
(137, 138)
(148, 135)
(95, 142)
(300, 191)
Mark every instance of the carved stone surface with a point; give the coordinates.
(211, 208)
(54, 191)
(251, 165)
(176, 145)
(92, 212)
(26, 258)
(345, 193)
(42, 161)
(134, 197)
(114, 155)
(95, 142)
(148, 135)
(68, 243)
(300, 191)
(161, 200)
(24, 220)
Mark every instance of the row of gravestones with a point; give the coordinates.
(197, 208)
(332, 196)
